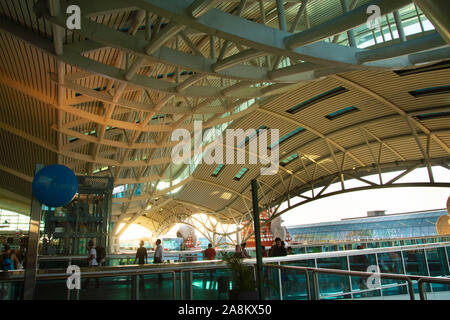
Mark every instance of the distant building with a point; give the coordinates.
(375, 226)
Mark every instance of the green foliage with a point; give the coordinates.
(243, 279)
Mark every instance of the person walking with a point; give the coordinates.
(141, 258)
(141, 254)
(159, 252)
(210, 253)
(158, 258)
(92, 261)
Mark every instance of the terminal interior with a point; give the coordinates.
(238, 111)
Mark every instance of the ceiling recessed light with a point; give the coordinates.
(226, 196)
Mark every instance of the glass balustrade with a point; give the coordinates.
(213, 280)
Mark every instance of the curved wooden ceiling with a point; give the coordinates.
(105, 99)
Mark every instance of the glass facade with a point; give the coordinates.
(419, 261)
(13, 221)
(411, 225)
(413, 21)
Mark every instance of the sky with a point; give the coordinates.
(356, 204)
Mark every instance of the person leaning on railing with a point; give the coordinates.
(278, 250)
(238, 252)
(210, 253)
(244, 251)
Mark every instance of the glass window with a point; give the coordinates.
(390, 262)
(437, 262)
(361, 263)
(333, 286)
(294, 282)
(415, 262)
(14, 221)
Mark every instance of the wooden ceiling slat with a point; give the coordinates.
(32, 68)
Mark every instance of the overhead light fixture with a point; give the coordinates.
(226, 196)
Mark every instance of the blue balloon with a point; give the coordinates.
(55, 185)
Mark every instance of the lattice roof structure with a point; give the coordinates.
(348, 100)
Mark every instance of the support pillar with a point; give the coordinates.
(238, 234)
(259, 279)
(33, 245)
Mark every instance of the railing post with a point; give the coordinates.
(174, 285)
(33, 246)
(316, 289)
(422, 293)
(410, 289)
(428, 267)
(257, 233)
(68, 293)
(308, 285)
(279, 281)
(378, 265)
(136, 287)
(189, 284)
(349, 277)
(181, 284)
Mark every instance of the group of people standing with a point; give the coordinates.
(278, 249)
(142, 257)
(97, 255)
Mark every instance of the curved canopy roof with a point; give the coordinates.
(104, 99)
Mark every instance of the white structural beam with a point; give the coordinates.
(427, 42)
(262, 38)
(342, 23)
(237, 58)
(199, 7)
(257, 36)
(162, 37)
(300, 13)
(437, 12)
(138, 45)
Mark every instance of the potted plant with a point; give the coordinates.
(244, 284)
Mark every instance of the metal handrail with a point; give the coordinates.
(422, 281)
(89, 272)
(195, 252)
(354, 252)
(200, 265)
(306, 271)
(407, 278)
(136, 270)
(174, 284)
